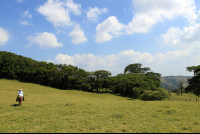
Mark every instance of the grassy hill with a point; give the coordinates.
(171, 82)
(52, 110)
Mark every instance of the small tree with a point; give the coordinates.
(181, 87)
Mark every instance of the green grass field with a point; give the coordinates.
(52, 110)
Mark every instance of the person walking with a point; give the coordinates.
(20, 93)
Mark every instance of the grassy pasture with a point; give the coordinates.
(48, 109)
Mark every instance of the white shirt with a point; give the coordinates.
(20, 93)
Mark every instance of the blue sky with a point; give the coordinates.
(104, 34)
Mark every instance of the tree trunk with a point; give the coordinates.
(181, 91)
(81, 87)
(68, 83)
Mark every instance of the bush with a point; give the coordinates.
(159, 94)
(136, 92)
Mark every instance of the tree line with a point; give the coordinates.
(134, 82)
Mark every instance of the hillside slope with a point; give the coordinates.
(50, 110)
(171, 82)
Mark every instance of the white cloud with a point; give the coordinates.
(187, 37)
(146, 14)
(177, 61)
(140, 24)
(27, 14)
(4, 36)
(77, 35)
(57, 12)
(44, 40)
(149, 12)
(133, 56)
(108, 27)
(198, 16)
(64, 59)
(93, 13)
(88, 61)
(24, 23)
(75, 8)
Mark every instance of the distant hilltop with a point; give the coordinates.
(171, 82)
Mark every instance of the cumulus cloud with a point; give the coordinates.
(27, 14)
(131, 55)
(77, 35)
(175, 60)
(149, 12)
(88, 61)
(75, 8)
(44, 40)
(108, 27)
(93, 13)
(140, 24)
(198, 16)
(64, 59)
(4, 36)
(187, 37)
(58, 12)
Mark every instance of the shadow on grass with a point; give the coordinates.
(15, 105)
(62, 88)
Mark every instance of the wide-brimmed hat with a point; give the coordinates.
(21, 89)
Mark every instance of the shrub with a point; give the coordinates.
(159, 94)
(136, 92)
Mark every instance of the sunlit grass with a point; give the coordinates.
(48, 109)
(188, 96)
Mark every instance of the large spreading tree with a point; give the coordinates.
(99, 77)
(136, 68)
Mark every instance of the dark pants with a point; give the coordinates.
(22, 97)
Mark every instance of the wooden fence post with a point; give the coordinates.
(196, 99)
(186, 99)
